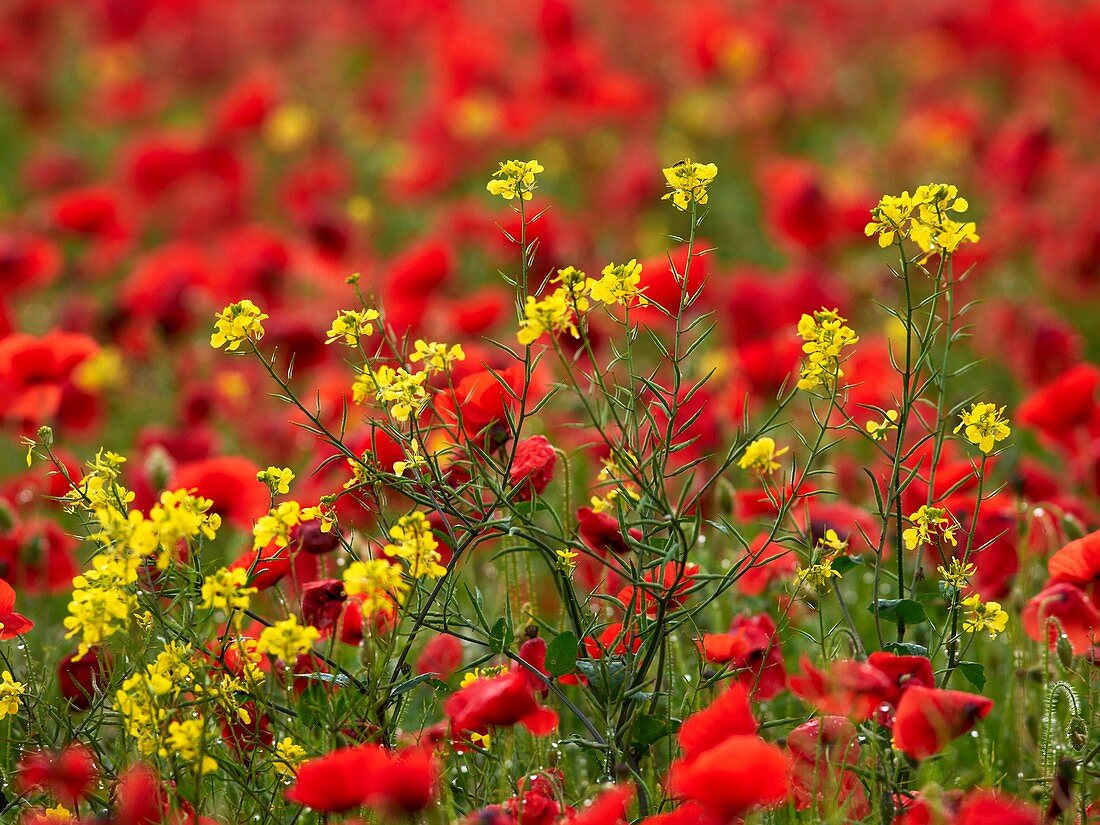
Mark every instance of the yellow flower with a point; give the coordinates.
(378, 583)
(415, 459)
(437, 357)
(278, 523)
(824, 336)
(102, 601)
(688, 182)
(553, 314)
(985, 425)
(287, 640)
(923, 218)
(818, 576)
(760, 456)
(831, 541)
(515, 178)
(277, 479)
(59, 814)
(236, 324)
(288, 756)
(351, 325)
(101, 371)
(227, 590)
(10, 693)
(619, 284)
(567, 560)
(187, 740)
(956, 573)
(926, 522)
(479, 673)
(415, 544)
(575, 284)
(879, 430)
(401, 390)
(988, 616)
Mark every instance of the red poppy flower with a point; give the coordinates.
(533, 467)
(847, 688)
(1066, 407)
(499, 701)
(26, 261)
(675, 582)
(752, 649)
(266, 566)
(67, 774)
(35, 372)
(979, 807)
(601, 532)
(609, 808)
(323, 603)
(483, 399)
(12, 624)
(820, 749)
(728, 715)
(1077, 616)
(230, 482)
(80, 679)
(441, 656)
(928, 719)
(903, 672)
(533, 653)
(728, 780)
(765, 563)
(367, 775)
(611, 642)
(1078, 563)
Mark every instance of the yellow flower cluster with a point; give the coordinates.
(415, 544)
(278, 524)
(987, 616)
(760, 456)
(619, 284)
(437, 357)
(378, 583)
(187, 741)
(927, 522)
(236, 324)
(227, 590)
(402, 391)
(818, 576)
(139, 699)
(181, 517)
(352, 325)
(287, 640)
(923, 217)
(414, 459)
(880, 430)
(553, 314)
(515, 178)
(956, 573)
(10, 693)
(985, 425)
(288, 756)
(824, 336)
(688, 182)
(277, 479)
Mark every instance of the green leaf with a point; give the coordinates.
(906, 649)
(429, 678)
(649, 729)
(843, 564)
(904, 610)
(973, 672)
(561, 654)
(500, 636)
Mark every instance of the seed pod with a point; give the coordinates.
(1065, 651)
(1078, 733)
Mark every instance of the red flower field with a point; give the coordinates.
(549, 412)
